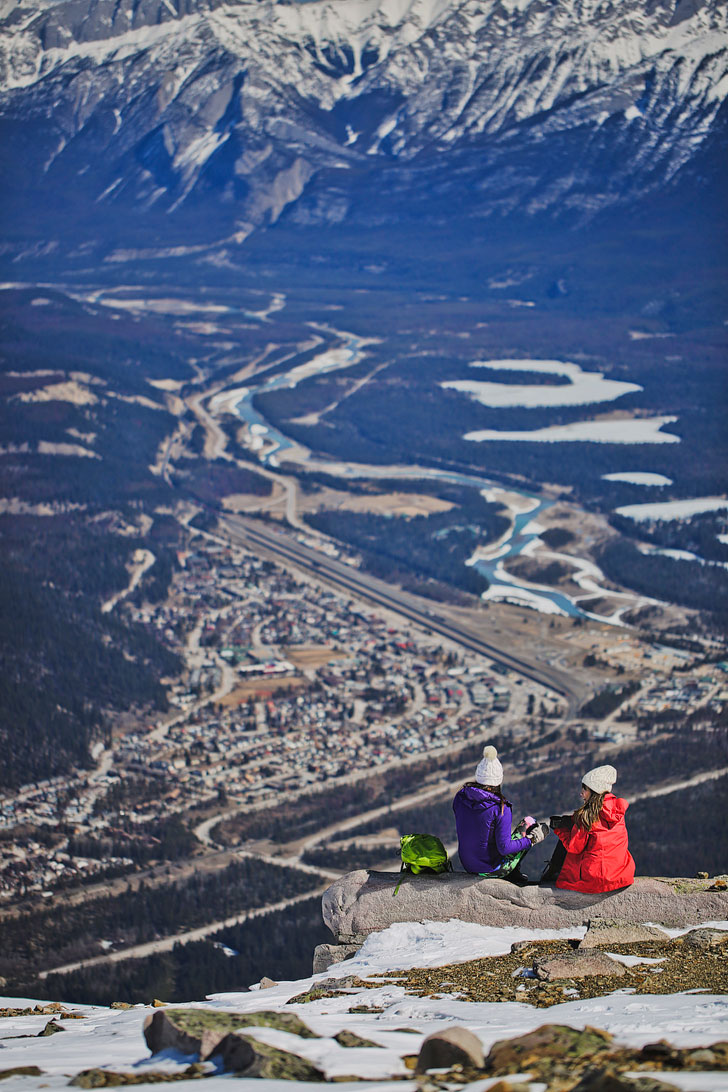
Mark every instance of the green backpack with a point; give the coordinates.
(422, 853)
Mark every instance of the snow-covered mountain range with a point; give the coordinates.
(357, 110)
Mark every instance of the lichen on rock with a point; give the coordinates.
(248, 1057)
(200, 1031)
(109, 1078)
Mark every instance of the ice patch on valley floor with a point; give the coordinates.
(516, 503)
(329, 361)
(678, 555)
(668, 510)
(646, 335)
(637, 477)
(583, 388)
(163, 305)
(522, 597)
(633, 430)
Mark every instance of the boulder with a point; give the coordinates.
(325, 955)
(172, 1029)
(200, 1031)
(576, 964)
(247, 1057)
(552, 1043)
(362, 902)
(452, 1046)
(706, 939)
(602, 933)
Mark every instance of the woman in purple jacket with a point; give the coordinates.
(484, 819)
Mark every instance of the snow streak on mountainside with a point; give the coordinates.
(532, 104)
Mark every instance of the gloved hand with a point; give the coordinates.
(523, 826)
(537, 834)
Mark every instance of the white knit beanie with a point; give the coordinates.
(600, 779)
(489, 770)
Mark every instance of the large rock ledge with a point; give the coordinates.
(364, 902)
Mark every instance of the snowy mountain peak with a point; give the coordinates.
(259, 102)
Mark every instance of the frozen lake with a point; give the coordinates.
(642, 430)
(637, 477)
(683, 509)
(583, 388)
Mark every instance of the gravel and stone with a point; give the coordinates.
(512, 977)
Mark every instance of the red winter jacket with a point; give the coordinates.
(598, 859)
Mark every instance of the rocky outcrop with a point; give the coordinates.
(363, 902)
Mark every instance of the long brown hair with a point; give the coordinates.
(587, 815)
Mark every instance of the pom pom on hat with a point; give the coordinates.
(600, 779)
(489, 770)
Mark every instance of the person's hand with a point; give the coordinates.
(525, 823)
(536, 834)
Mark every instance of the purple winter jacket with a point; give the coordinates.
(483, 824)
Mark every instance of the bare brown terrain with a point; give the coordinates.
(381, 504)
(260, 688)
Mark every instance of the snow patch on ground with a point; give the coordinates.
(434, 943)
(633, 960)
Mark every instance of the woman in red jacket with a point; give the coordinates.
(594, 840)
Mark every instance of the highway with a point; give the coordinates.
(256, 535)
